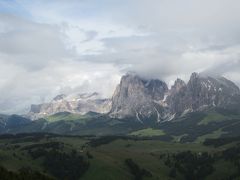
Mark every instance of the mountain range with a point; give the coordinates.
(205, 106)
(74, 103)
(142, 99)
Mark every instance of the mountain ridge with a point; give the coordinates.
(201, 92)
(74, 103)
(143, 99)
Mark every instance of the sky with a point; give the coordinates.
(50, 47)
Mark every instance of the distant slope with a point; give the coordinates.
(67, 116)
(12, 121)
(74, 103)
(75, 124)
(195, 126)
(212, 123)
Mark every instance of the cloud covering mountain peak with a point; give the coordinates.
(52, 47)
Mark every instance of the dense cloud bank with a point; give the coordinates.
(52, 47)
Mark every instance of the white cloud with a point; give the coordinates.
(51, 47)
(19, 87)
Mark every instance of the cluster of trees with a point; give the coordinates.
(57, 162)
(136, 171)
(98, 141)
(35, 136)
(192, 166)
(102, 140)
(233, 155)
(52, 145)
(23, 174)
(197, 166)
(220, 141)
(65, 166)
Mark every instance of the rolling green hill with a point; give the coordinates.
(116, 157)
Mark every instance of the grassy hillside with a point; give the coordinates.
(147, 132)
(66, 116)
(198, 126)
(212, 117)
(117, 157)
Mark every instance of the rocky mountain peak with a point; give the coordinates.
(178, 84)
(130, 84)
(59, 97)
(136, 96)
(225, 83)
(74, 103)
(208, 91)
(156, 88)
(194, 75)
(212, 84)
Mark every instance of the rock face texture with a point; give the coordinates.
(138, 97)
(201, 92)
(143, 99)
(80, 104)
